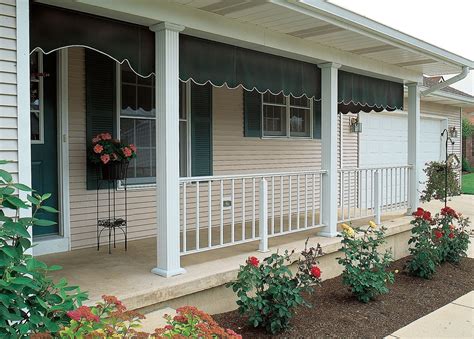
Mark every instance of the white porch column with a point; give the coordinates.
(167, 148)
(414, 146)
(329, 147)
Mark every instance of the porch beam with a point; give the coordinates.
(167, 148)
(329, 120)
(414, 145)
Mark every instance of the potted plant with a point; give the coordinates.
(111, 155)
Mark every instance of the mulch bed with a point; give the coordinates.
(336, 314)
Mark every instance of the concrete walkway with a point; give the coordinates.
(455, 320)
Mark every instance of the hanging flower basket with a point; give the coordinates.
(111, 155)
(114, 170)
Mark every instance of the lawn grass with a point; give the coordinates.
(468, 183)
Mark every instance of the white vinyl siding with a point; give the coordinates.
(8, 86)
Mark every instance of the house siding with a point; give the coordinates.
(8, 87)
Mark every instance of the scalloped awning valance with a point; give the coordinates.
(53, 28)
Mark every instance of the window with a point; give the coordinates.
(286, 116)
(36, 98)
(184, 128)
(137, 124)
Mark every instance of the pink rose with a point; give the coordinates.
(105, 158)
(98, 148)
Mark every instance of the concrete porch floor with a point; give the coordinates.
(127, 274)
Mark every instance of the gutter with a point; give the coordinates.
(441, 85)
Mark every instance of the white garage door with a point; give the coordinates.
(384, 139)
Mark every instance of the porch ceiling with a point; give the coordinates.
(326, 26)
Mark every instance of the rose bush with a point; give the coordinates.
(268, 292)
(452, 237)
(365, 269)
(423, 250)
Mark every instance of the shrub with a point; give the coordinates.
(364, 267)
(435, 184)
(423, 250)
(29, 300)
(268, 292)
(189, 322)
(467, 128)
(452, 238)
(466, 167)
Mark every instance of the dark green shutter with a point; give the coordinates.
(317, 119)
(100, 102)
(252, 114)
(201, 130)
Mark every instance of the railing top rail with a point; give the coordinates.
(248, 176)
(372, 168)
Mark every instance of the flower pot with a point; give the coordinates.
(114, 170)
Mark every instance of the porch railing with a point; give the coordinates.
(220, 211)
(367, 192)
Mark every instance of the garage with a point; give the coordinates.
(384, 139)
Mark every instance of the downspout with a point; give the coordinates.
(441, 85)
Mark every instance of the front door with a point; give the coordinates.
(44, 150)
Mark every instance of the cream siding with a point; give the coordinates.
(8, 86)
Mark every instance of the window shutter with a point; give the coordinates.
(317, 119)
(201, 130)
(252, 114)
(100, 102)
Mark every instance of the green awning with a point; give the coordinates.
(52, 28)
(363, 93)
(221, 64)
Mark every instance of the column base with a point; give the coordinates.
(168, 273)
(328, 234)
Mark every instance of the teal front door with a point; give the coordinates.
(44, 136)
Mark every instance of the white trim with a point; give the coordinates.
(50, 244)
(23, 98)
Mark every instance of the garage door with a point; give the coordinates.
(384, 139)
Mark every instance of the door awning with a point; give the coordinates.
(205, 61)
(53, 28)
(221, 64)
(363, 93)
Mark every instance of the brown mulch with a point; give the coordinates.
(336, 314)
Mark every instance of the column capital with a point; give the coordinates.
(329, 65)
(166, 26)
(413, 84)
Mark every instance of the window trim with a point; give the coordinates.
(40, 81)
(147, 182)
(288, 107)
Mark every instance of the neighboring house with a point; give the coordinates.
(261, 90)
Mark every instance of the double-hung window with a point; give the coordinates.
(137, 124)
(286, 116)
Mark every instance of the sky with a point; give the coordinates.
(446, 24)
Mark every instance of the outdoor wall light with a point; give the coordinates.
(453, 132)
(355, 125)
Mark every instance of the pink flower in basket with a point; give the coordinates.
(106, 136)
(105, 158)
(127, 152)
(98, 148)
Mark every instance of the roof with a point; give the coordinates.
(431, 81)
(318, 21)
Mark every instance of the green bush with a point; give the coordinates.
(466, 167)
(268, 292)
(435, 184)
(452, 237)
(467, 128)
(365, 269)
(29, 300)
(423, 250)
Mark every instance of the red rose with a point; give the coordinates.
(105, 158)
(419, 212)
(253, 261)
(168, 327)
(451, 235)
(98, 148)
(315, 272)
(438, 234)
(427, 215)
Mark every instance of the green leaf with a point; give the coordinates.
(33, 200)
(18, 228)
(5, 175)
(43, 222)
(10, 251)
(45, 196)
(15, 201)
(22, 187)
(49, 209)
